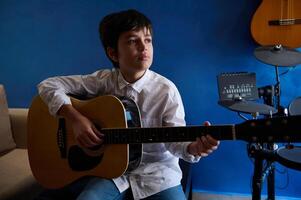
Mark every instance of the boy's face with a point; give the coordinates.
(135, 51)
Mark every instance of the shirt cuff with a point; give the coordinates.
(54, 108)
(189, 157)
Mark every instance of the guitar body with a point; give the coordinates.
(55, 158)
(277, 22)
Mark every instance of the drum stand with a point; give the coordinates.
(261, 172)
(265, 151)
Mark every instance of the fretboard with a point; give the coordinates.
(166, 134)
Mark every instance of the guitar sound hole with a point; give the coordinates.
(79, 161)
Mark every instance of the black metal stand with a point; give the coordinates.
(257, 176)
(271, 176)
(271, 97)
(261, 172)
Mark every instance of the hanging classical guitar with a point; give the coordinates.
(277, 22)
(56, 159)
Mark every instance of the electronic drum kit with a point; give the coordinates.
(278, 56)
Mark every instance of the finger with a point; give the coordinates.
(93, 136)
(207, 123)
(206, 144)
(199, 145)
(97, 132)
(203, 154)
(209, 148)
(203, 148)
(198, 140)
(80, 143)
(214, 148)
(208, 151)
(87, 140)
(212, 141)
(83, 143)
(213, 145)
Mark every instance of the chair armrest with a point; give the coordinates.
(18, 119)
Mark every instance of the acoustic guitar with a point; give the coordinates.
(277, 22)
(56, 159)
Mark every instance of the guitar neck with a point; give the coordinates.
(278, 129)
(166, 134)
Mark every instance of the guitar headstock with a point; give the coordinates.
(276, 129)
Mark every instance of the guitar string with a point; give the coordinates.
(292, 9)
(289, 9)
(281, 10)
(291, 4)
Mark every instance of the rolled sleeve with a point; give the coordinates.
(53, 96)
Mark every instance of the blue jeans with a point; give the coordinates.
(97, 189)
(105, 189)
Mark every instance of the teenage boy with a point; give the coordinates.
(127, 40)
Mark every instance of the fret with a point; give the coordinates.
(118, 137)
(166, 134)
(177, 134)
(143, 135)
(132, 137)
(108, 137)
(196, 131)
(114, 136)
(149, 135)
(138, 136)
(182, 134)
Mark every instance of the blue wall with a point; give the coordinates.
(194, 41)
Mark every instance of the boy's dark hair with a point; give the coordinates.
(112, 25)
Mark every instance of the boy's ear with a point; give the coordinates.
(112, 54)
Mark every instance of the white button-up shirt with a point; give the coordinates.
(160, 104)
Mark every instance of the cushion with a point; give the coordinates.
(6, 139)
(17, 181)
(18, 122)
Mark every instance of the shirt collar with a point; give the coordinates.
(138, 85)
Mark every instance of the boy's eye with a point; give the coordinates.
(131, 41)
(134, 41)
(148, 40)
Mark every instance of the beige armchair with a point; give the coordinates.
(16, 179)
